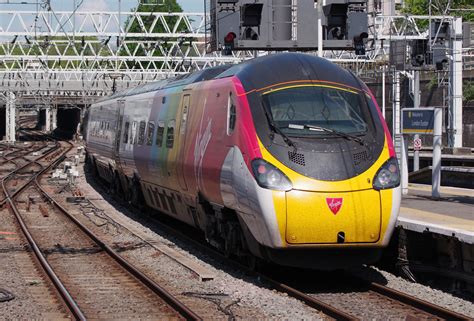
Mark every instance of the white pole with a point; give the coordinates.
(10, 117)
(47, 127)
(399, 140)
(54, 117)
(404, 161)
(74, 23)
(416, 104)
(383, 92)
(396, 104)
(456, 70)
(320, 28)
(436, 167)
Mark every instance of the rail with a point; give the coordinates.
(70, 302)
(313, 302)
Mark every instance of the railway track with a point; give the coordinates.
(347, 299)
(20, 154)
(92, 279)
(21, 171)
(367, 301)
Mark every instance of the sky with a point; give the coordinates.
(95, 5)
(8, 6)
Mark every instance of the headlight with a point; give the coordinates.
(388, 175)
(268, 176)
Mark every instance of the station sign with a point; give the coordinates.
(418, 121)
(417, 144)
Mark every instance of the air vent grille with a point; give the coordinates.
(297, 158)
(360, 157)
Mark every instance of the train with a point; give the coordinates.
(284, 158)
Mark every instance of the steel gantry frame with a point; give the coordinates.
(94, 52)
(98, 51)
(47, 55)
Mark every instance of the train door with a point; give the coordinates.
(182, 141)
(118, 137)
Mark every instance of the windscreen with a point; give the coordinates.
(295, 109)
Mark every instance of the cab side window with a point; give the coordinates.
(141, 133)
(231, 115)
(160, 133)
(149, 133)
(126, 128)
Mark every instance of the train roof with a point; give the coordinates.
(283, 67)
(180, 80)
(258, 73)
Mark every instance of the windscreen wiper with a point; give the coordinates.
(277, 129)
(328, 130)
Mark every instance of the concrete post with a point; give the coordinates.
(396, 104)
(404, 164)
(455, 70)
(399, 141)
(47, 127)
(10, 118)
(388, 8)
(54, 117)
(436, 167)
(416, 104)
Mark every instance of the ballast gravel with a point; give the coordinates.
(242, 292)
(232, 293)
(33, 296)
(420, 291)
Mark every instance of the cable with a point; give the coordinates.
(6, 295)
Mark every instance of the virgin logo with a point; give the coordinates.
(334, 204)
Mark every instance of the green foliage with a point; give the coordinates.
(421, 7)
(468, 91)
(167, 6)
(433, 84)
(416, 7)
(43, 46)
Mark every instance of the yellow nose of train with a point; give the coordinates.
(334, 213)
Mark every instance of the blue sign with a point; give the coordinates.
(417, 121)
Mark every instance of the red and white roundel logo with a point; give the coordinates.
(334, 204)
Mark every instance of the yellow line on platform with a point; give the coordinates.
(443, 189)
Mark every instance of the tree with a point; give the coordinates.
(421, 7)
(147, 45)
(468, 91)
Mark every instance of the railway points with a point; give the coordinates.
(239, 159)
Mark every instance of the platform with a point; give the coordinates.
(452, 215)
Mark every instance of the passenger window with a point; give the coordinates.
(184, 117)
(134, 133)
(141, 133)
(231, 115)
(150, 132)
(125, 132)
(159, 134)
(170, 134)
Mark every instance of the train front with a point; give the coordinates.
(326, 178)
